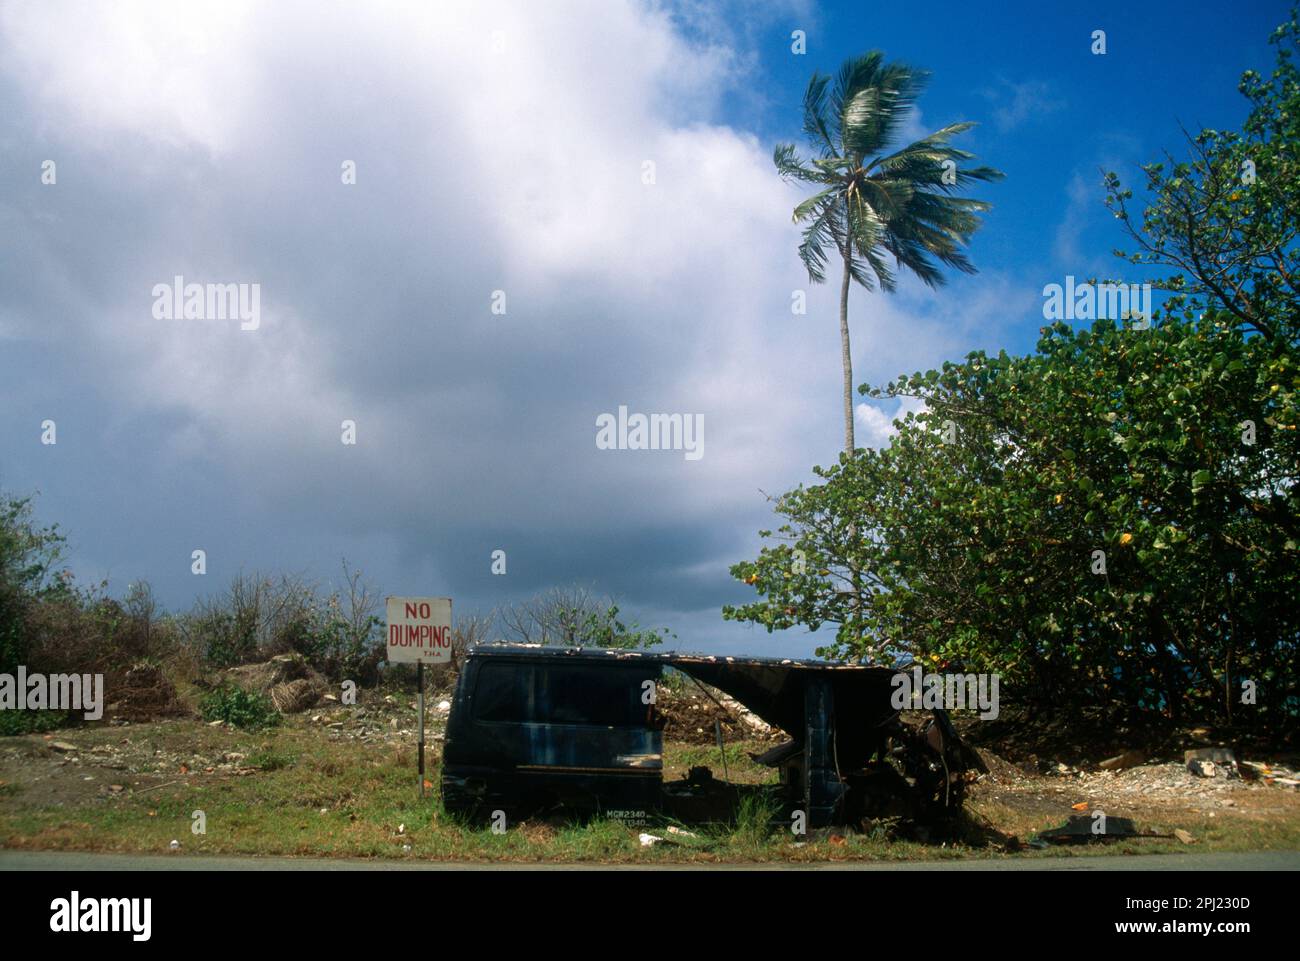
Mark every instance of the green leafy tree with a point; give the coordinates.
(1113, 519)
(1098, 521)
(1225, 219)
(875, 203)
(30, 556)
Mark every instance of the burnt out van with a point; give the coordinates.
(538, 728)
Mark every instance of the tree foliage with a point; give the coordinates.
(573, 616)
(1113, 519)
(29, 571)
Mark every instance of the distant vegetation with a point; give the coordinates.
(50, 624)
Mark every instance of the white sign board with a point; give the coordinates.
(419, 629)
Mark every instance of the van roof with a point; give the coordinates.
(672, 658)
(771, 687)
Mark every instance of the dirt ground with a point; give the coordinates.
(1161, 797)
(124, 759)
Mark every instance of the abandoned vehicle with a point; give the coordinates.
(542, 729)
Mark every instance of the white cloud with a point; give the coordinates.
(875, 428)
(498, 147)
(1015, 103)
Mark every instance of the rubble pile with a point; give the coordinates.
(1208, 775)
(291, 683)
(689, 716)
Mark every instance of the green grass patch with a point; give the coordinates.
(313, 796)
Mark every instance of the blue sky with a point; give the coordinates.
(502, 147)
(1051, 113)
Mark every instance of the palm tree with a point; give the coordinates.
(871, 204)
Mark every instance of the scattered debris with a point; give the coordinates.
(1219, 755)
(1208, 761)
(1123, 761)
(1184, 836)
(755, 726)
(650, 840)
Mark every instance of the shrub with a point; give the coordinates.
(247, 710)
(259, 617)
(31, 722)
(29, 556)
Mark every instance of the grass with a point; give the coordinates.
(679, 758)
(311, 796)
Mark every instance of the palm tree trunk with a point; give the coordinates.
(846, 358)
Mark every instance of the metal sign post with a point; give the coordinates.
(419, 674)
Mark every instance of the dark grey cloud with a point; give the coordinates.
(218, 156)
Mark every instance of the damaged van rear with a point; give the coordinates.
(536, 728)
(543, 729)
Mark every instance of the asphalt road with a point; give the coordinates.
(1191, 861)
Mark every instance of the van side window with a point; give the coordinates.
(573, 694)
(559, 694)
(503, 692)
